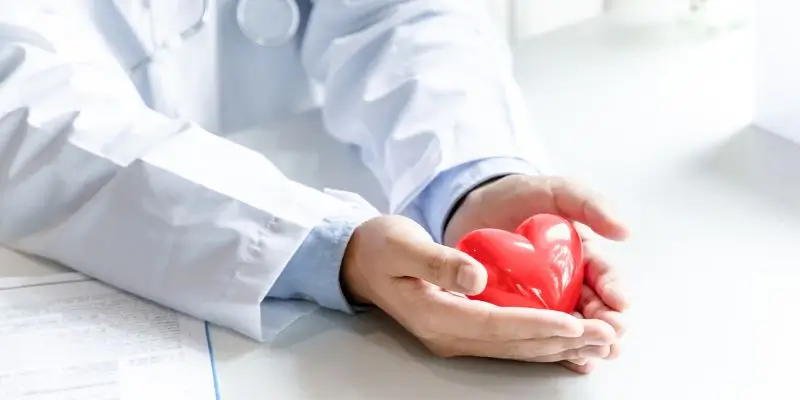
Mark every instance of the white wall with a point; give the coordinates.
(500, 11)
(778, 67)
(521, 19)
(535, 17)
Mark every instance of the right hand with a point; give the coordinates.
(392, 263)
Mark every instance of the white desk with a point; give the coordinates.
(654, 122)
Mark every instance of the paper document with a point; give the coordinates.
(69, 337)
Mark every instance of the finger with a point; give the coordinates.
(581, 369)
(596, 333)
(579, 361)
(616, 349)
(575, 202)
(592, 307)
(588, 352)
(613, 351)
(442, 266)
(603, 279)
(541, 350)
(477, 320)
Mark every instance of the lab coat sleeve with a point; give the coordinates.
(313, 272)
(92, 178)
(419, 86)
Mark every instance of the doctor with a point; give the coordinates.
(113, 161)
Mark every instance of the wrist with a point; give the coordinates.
(467, 214)
(446, 194)
(467, 209)
(469, 195)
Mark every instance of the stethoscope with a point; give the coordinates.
(250, 16)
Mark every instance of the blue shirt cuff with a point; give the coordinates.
(441, 195)
(312, 274)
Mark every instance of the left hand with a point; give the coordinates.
(508, 201)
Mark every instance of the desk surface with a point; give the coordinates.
(656, 123)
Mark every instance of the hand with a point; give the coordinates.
(506, 202)
(392, 263)
(591, 305)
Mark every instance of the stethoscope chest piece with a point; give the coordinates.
(268, 22)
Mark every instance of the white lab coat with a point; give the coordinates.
(126, 175)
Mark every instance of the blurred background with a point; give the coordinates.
(522, 19)
(661, 76)
(686, 113)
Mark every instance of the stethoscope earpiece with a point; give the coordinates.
(263, 22)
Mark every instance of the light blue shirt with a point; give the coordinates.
(313, 272)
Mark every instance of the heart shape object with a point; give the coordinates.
(540, 265)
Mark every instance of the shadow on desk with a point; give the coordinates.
(760, 163)
(372, 357)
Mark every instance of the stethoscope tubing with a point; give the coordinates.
(241, 12)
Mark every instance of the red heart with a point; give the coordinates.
(540, 265)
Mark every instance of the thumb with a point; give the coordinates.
(447, 268)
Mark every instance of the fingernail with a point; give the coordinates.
(468, 279)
